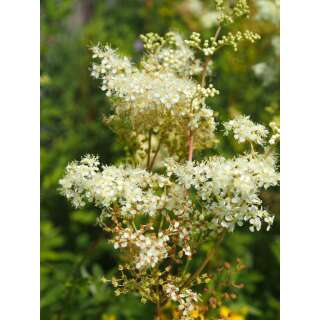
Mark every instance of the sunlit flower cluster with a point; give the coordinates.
(159, 91)
(228, 189)
(127, 190)
(244, 130)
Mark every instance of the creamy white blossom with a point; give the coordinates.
(229, 188)
(245, 130)
(131, 189)
(156, 216)
(151, 248)
(159, 91)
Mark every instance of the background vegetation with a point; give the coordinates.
(74, 253)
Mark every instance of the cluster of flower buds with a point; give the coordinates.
(233, 39)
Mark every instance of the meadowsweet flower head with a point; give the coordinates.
(160, 92)
(155, 220)
(245, 130)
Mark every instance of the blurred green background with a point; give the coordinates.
(73, 257)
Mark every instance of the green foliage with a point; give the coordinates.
(74, 254)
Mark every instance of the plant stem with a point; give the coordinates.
(207, 60)
(204, 71)
(209, 256)
(202, 82)
(205, 262)
(155, 155)
(186, 267)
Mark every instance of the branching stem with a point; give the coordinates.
(207, 60)
(202, 82)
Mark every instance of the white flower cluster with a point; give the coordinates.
(151, 248)
(130, 189)
(228, 188)
(160, 91)
(246, 130)
(110, 62)
(74, 184)
(146, 88)
(157, 220)
(186, 299)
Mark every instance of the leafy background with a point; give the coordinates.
(74, 254)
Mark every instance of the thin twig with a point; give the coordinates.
(155, 155)
(209, 256)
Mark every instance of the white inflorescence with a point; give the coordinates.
(229, 188)
(158, 219)
(246, 130)
(161, 88)
(129, 188)
(151, 248)
(187, 299)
